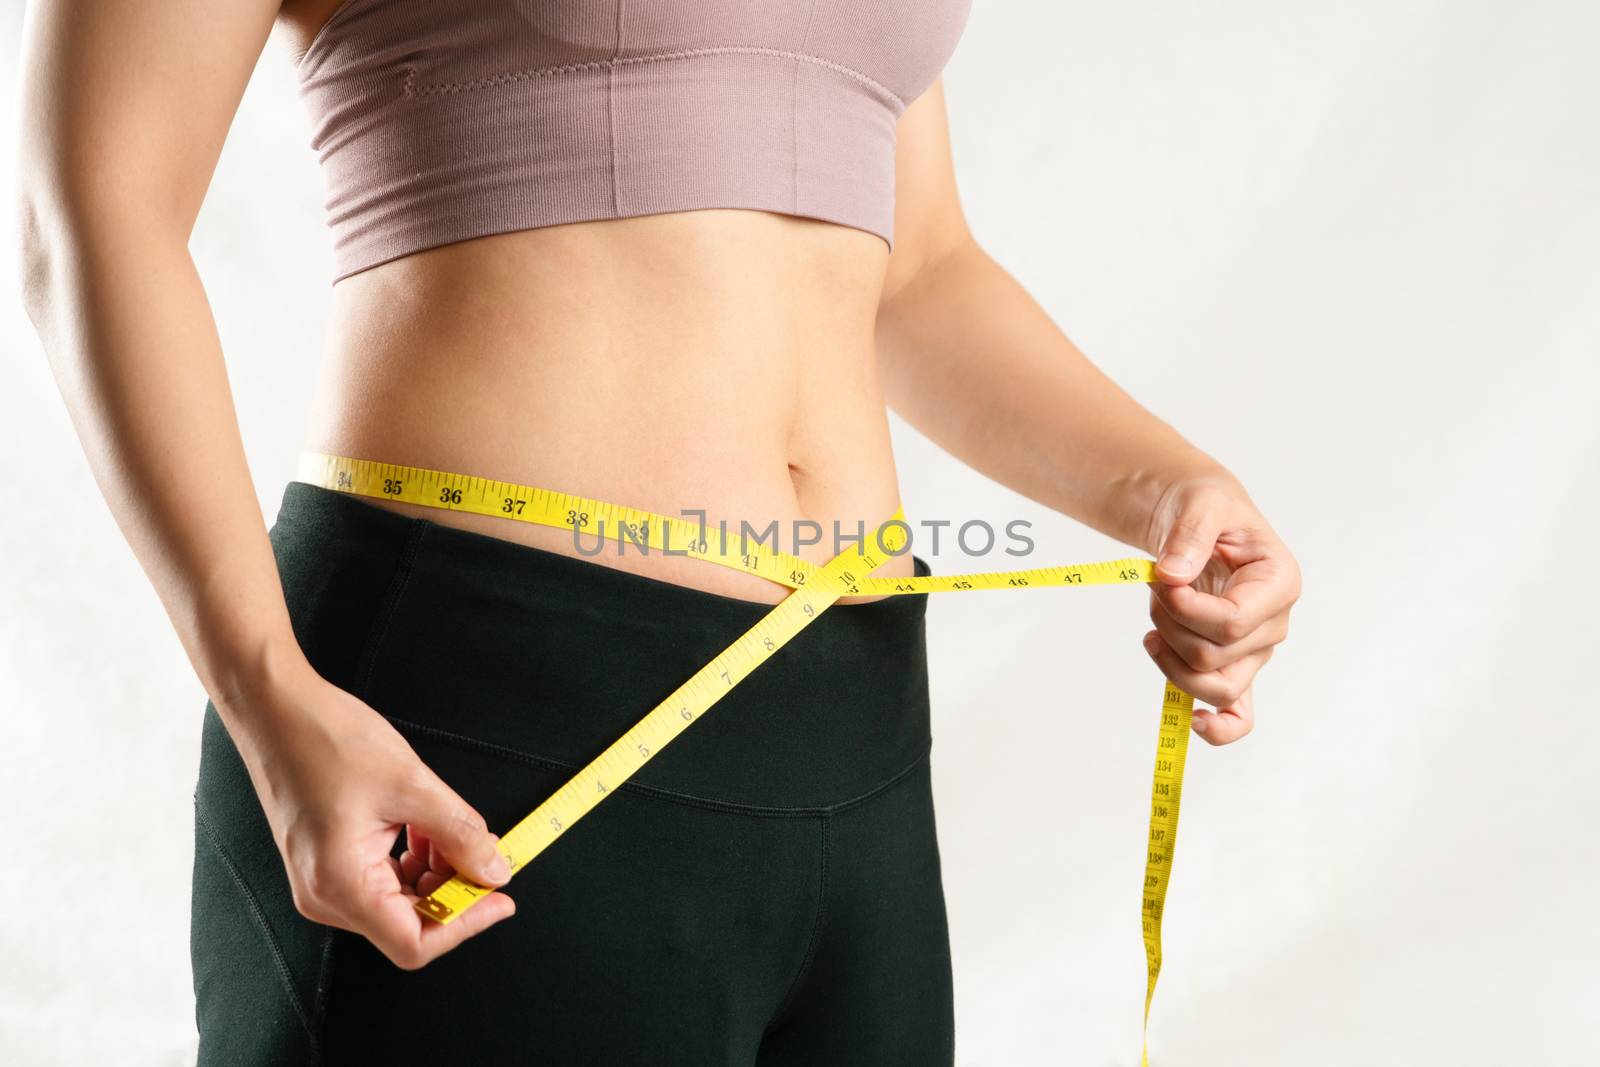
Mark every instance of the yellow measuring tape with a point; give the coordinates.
(815, 588)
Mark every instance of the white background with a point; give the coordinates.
(1351, 251)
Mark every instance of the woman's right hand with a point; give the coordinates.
(119, 87)
(338, 784)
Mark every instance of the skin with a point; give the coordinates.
(778, 341)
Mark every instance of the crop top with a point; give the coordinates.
(441, 120)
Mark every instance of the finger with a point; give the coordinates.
(1204, 654)
(410, 941)
(1220, 688)
(437, 862)
(1228, 725)
(412, 867)
(457, 832)
(430, 881)
(417, 841)
(1190, 542)
(432, 859)
(1253, 594)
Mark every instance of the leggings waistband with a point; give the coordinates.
(489, 643)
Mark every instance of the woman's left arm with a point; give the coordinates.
(971, 360)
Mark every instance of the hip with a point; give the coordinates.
(457, 636)
(771, 876)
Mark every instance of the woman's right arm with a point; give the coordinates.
(125, 106)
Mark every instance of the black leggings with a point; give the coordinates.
(764, 891)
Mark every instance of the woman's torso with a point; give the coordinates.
(713, 360)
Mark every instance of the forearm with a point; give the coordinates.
(971, 360)
(125, 107)
(125, 323)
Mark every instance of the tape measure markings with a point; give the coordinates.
(1166, 793)
(663, 724)
(813, 588)
(563, 511)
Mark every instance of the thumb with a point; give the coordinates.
(1189, 543)
(458, 833)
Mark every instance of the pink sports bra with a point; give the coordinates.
(441, 120)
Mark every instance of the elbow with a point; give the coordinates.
(73, 241)
(927, 259)
(957, 248)
(39, 251)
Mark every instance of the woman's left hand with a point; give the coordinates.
(1224, 585)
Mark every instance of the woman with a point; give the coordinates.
(674, 256)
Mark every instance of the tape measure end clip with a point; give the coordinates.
(434, 909)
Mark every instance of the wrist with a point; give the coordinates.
(250, 680)
(1150, 493)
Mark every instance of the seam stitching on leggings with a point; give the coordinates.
(517, 755)
(319, 1010)
(391, 603)
(816, 924)
(284, 974)
(365, 665)
(887, 783)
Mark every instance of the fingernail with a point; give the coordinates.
(1150, 643)
(1201, 726)
(1175, 564)
(499, 869)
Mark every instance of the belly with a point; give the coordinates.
(715, 362)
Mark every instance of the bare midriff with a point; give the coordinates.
(716, 361)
